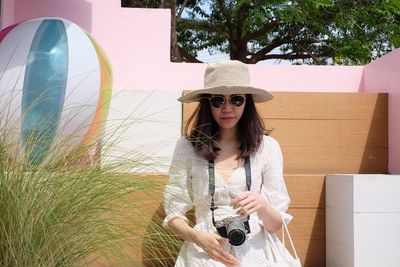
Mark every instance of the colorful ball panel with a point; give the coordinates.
(55, 88)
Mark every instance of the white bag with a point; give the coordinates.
(278, 254)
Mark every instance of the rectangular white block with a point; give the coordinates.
(376, 193)
(363, 220)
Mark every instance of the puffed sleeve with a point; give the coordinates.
(177, 197)
(273, 186)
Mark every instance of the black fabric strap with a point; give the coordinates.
(211, 184)
(247, 170)
(211, 175)
(211, 187)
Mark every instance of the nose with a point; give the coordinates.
(227, 107)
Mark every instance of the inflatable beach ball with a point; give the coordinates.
(55, 89)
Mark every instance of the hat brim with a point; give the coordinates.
(259, 95)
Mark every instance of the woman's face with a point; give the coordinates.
(227, 109)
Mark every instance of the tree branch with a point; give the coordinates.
(260, 55)
(274, 44)
(189, 57)
(178, 17)
(262, 31)
(202, 25)
(227, 15)
(242, 14)
(290, 56)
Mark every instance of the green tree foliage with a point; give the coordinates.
(303, 31)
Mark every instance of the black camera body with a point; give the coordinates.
(234, 228)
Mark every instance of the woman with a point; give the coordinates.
(229, 171)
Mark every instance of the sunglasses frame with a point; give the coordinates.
(233, 104)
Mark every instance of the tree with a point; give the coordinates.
(303, 31)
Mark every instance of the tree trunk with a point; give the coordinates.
(238, 51)
(174, 49)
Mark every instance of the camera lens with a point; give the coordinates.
(236, 237)
(236, 232)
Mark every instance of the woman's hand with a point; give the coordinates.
(214, 246)
(248, 203)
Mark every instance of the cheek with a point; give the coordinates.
(239, 113)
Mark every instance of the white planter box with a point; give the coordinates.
(362, 220)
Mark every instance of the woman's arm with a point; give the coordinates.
(272, 219)
(182, 230)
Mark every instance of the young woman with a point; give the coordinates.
(230, 171)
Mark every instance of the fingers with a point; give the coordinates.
(240, 198)
(222, 241)
(219, 253)
(247, 203)
(224, 257)
(248, 209)
(229, 259)
(243, 200)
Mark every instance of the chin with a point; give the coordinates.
(228, 126)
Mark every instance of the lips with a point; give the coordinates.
(227, 118)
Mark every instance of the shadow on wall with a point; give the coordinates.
(77, 11)
(375, 158)
(316, 251)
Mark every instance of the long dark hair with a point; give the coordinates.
(205, 129)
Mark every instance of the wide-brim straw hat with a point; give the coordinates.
(226, 78)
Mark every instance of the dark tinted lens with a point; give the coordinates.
(237, 100)
(236, 237)
(217, 101)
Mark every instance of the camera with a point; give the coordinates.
(234, 228)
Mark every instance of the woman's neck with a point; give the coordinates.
(227, 136)
(228, 155)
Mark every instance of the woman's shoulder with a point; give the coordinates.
(185, 150)
(268, 151)
(183, 143)
(269, 145)
(269, 141)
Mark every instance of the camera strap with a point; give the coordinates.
(211, 184)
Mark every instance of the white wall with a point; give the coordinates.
(144, 125)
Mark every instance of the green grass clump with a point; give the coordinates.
(65, 217)
(71, 209)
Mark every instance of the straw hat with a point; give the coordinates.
(227, 77)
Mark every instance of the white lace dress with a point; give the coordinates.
(187, 188)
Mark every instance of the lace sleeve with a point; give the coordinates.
(177, 199)
(273, 187)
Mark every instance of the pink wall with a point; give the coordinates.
(306, 78)
(7, 13)
(137, 43)
(79, 11)
(136, 52)
(140, 55)
(383, 75)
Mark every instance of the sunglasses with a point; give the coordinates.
(219, 101)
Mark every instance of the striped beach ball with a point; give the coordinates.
(55, 89)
